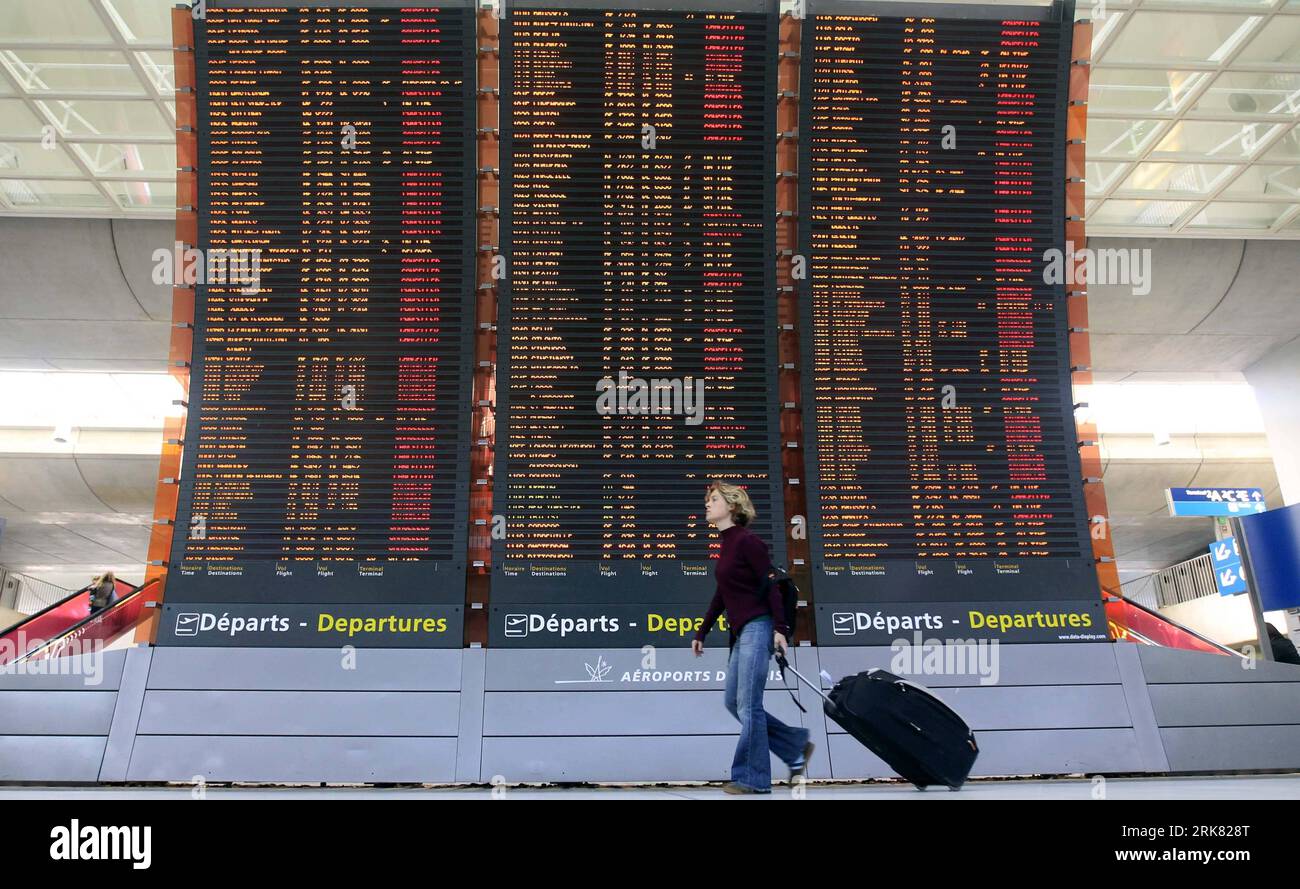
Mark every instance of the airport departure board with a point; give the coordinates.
(326, 451)
(637, 349)
(941, 444)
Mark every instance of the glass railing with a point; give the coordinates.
(54, 630)
(1132, 621)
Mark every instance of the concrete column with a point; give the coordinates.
(1276, 381)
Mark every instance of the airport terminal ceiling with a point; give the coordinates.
(1192, 114)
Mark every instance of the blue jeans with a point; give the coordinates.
(760, 731)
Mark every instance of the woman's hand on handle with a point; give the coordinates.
(697, 646)
(779, 643)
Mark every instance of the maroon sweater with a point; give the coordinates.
(742, 565)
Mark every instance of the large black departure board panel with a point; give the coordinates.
(638, 190)
(326, 449)
(941, 445)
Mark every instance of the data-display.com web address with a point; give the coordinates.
(1205, 856)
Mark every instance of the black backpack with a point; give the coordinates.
(789, 597)
(790, 605)
(789, 601)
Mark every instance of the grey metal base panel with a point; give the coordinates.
(307, 669)
(1226, 704)
(299, 714)
(615, 715)
(302, 713)
(126, 715)
(64, 713)
(89, 672)
(293, 759)
(1150, 746)
(1232, 747)
(618, 714)
(1058, 752)
(54, 727)
(1017, 665)
(1220, 713)
(50, 758)
(807, 662)
(1001, 708)
(665, 758)
(469, 744)
(1172, 666)
(607, 670)
(1055, 709)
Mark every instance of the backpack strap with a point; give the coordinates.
(780, 661)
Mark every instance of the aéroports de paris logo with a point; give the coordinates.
(596, 673)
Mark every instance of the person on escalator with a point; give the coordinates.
(103, 592)
(1283, 648)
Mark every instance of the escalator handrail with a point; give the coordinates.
(66, 599)
(87, 619)
(1173, 623)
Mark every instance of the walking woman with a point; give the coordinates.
(758, 629)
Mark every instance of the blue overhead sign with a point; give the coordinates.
(1215, 501)
(1227, 567)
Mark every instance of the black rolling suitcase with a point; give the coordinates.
(915, 733)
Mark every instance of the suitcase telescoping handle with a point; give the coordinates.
(785, 665)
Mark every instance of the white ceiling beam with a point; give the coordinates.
(78, 139)
(116, 212)
(1223, 184)
(1179, 6)
(1285, 219)
(1096, 230)
(1170, 120)
(74, 46)
(114, 26)
(1141, 195)
(38, 109)
(88, 96)
(1187, 157)
(1227, 117)
(142, 176)
(1196, 67)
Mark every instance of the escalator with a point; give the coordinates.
(1133, 622)
(68, 625)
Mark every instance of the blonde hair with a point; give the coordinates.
(742, 508)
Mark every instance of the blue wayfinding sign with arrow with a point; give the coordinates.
(1227, 567)
(1215, 501)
